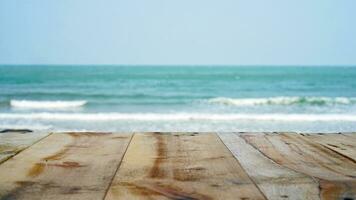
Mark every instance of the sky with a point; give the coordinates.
(180, 32)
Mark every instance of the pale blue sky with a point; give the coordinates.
(232, 32)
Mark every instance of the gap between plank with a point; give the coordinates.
(312, 177)
(119, 165)
(37, 141)
(253, 182)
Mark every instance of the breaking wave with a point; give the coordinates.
(283, 101)
(46, 104)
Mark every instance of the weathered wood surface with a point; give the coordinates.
(335, 172)
(180, 166)
(340, 143)
(275, 181)
(12, 142)
(64, 166)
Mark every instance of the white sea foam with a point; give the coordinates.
(283, 101)
(174, 117)
(31, 126)
(46, 104)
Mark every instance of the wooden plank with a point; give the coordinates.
(12, 143)
(351, 135)
(275, 181)
(180, 166)
(335, 173)
(64, 166)
(339, 143)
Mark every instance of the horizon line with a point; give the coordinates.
(189, 65)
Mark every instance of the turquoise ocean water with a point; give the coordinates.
(178, 98)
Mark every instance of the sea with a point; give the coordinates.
(178, 98)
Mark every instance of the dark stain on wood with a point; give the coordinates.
(40, 187)
(39, 167)
(181, 175)
(74, 146)
(161, 152)
(138, 190)
(196, 168)
(215, 158)
(36, 169)
(15, 193)
(120, 137)
(67, 164)
(57, 156)
(88, 134)
(214, 185)
(25, 183)
(28, 186)
(237, 182)
(189, 174)
(337, 190)
(71, 190)
(178, 193)
(159, 189)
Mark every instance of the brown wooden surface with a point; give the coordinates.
(334, 172)
(184, 166)
(275, 181)
(12, 143)
(340, 143)
(64, 166)
(180, 166)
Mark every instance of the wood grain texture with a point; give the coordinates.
(12, 143)
(180, 166)
(350, 134)
(64, 166)
(335, 173)
(275, 181)
(340, 143)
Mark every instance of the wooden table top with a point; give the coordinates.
(180, 166)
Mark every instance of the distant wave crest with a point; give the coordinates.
(174, 117)
(283, 101)
(46, 104)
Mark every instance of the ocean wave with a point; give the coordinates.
(46, 104)
(283, 101)
(174, 117)
(30, 126)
